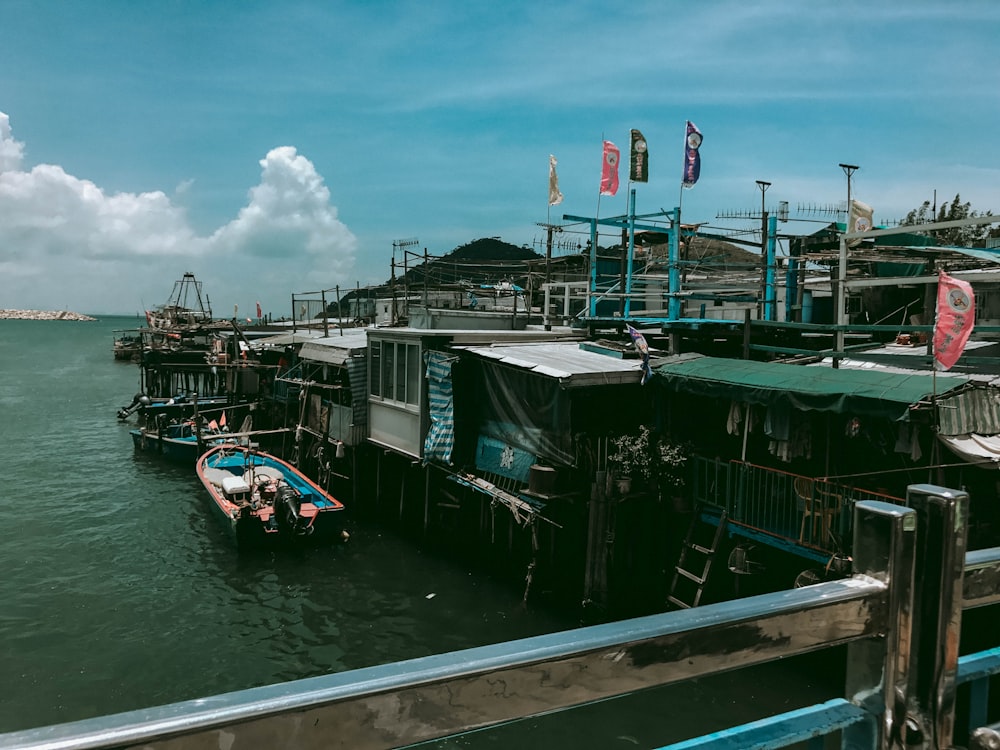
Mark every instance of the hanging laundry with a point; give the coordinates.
(735, 418)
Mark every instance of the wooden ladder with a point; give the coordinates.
(695, 562)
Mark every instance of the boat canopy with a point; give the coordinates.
(872, 393)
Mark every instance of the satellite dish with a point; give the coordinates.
(741, 561)
(808, 578)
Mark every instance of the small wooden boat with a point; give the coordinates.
(262, 499)
(177, 441)
(127, 345)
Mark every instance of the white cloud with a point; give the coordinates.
(289, 214)
(11, 151)
(66, 244)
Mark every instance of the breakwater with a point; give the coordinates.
(42, 315)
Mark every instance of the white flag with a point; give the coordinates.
(859, 219)
(555, 197)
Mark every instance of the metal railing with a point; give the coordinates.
(808, 511)
(898, 617)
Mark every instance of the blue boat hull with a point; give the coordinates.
(262, 500)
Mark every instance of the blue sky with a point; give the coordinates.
(273, 148)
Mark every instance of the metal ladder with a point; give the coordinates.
(695, 556)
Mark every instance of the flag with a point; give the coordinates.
(222, 420)
(259, 314)
(555, 197)
(859, 219)
(956, 313)
(643, 348)
(692, 157)
(609, 172)
(639, 165)
(213, 425)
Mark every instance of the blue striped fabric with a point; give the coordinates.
(976, 410)
(441, 435)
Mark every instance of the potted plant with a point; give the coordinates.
(631, 459)
(670, 464)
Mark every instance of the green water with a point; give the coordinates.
(118, 590)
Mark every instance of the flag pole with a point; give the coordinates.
(597, 214)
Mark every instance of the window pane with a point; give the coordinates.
(388, 370)
(375, 368)
(413, 374)
(401, 372)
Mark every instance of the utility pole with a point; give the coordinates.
(763, 248)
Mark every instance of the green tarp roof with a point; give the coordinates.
(860, 392)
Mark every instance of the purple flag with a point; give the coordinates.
(692, 158)
(643, 348)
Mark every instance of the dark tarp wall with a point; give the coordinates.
(526, 410)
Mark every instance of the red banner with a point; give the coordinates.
(609, 172)
(956, 314)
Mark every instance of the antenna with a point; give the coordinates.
(815, 209)
(781, 212)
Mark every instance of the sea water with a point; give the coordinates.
(119, 590)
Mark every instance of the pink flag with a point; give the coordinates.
(956, 314)
(609, 172)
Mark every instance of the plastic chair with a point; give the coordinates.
(817, 505)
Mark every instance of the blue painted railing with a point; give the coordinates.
(808, 512)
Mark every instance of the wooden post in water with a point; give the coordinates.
(197, 426)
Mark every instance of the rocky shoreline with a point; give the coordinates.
(42, 315)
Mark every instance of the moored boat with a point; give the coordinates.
(261, 499)
(127, 345)
(178, 441)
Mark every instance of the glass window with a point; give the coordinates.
(388, 371)
(401, 373)
(375, 368)
(414, 371)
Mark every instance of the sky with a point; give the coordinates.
(281, 148)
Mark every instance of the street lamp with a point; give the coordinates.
(841, 297)
(849, 169)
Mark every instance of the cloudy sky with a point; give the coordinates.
(274, 148)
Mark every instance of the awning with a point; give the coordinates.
(981, 450)
(870, 393)
(976, 410)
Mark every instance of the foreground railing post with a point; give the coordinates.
(942, 518)
(884, 543)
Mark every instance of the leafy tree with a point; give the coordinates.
(970, 236)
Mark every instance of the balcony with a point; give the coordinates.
(809, 516)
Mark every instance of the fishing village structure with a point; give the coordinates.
(656, 430)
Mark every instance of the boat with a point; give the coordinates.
(186, 308)
(261, 499)
(127, 344)
(178, 441)
(150, 410)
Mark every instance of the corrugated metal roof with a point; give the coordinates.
(335, 349)
(564, 361)
(284, 339)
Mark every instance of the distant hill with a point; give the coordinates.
(720, 252)
(491, 248)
